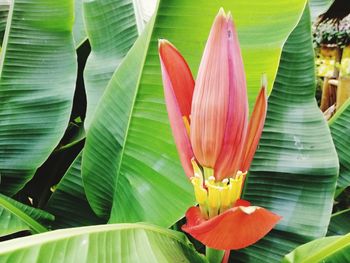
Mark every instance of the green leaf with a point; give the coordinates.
(294, 171)
(145, 9)
(340, 223)
(37, 81)
(340, 128)
(318, 7)
(76, 135)
(330, 249)
(68, 202)
(112, 29)
(79, 32)
(15, 217)
(105, 243)
(130, 161)
(4, 9)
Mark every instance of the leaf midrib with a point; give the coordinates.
(33, 224)
(152, 23)
(6, 36)
(30, 241)
(329, 250)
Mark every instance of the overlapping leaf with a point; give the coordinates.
(340, 223)
(330, 249)
(294, 171)
(108, 243)
(37, 80)
(4, 9)
(15, 217)
(340, 128)
(130, 161)
(112, 28)
(79, 32)
(318, 7)
(68, 202)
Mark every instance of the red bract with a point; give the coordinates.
(178, 91)
(209, 120)
(235, 228)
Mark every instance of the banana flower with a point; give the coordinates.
(216, 144)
